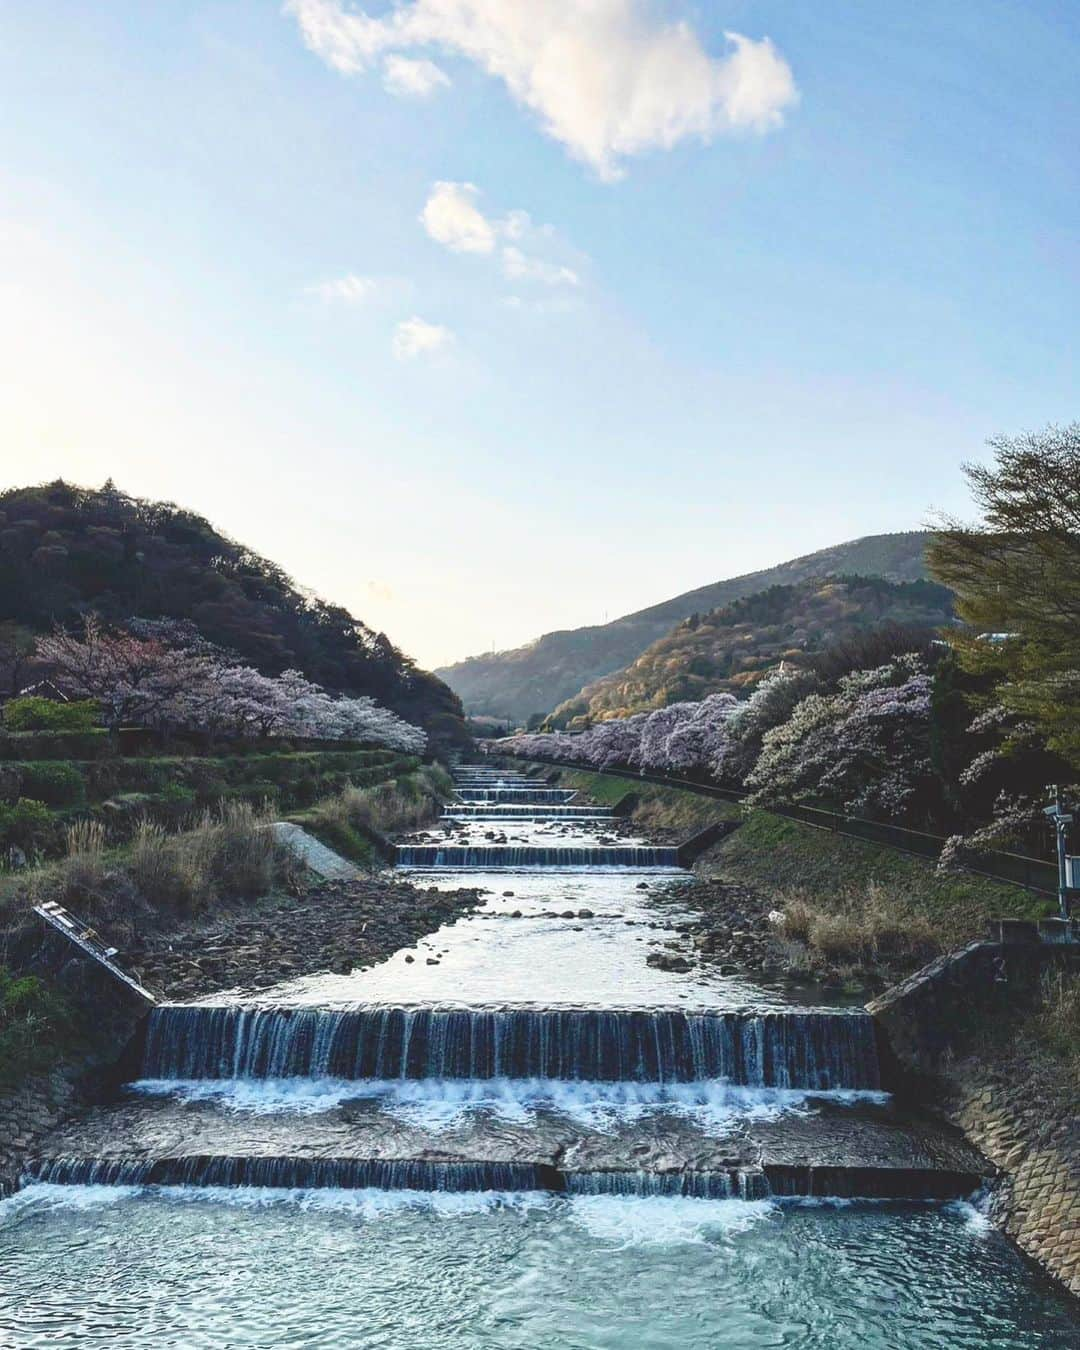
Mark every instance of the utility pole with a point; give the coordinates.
(1061, 820)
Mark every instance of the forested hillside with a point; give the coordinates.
(68, 551)
(534, 679)
(729, 649)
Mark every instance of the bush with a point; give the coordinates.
(860, 926)
(35, 1024)
(42, 714)
(229, 853)
(76, 745)
(29, 826)
(56, 783)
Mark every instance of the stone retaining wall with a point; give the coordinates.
(27, 1113)
(1033, 1136)
(953, 1033)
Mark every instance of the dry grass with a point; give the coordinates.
(405, 804)
(862, 927)
(1058, 1025)
(226, 854)
(81, 872)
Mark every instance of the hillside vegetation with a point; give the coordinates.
(66, 551)
(729, 649)
(534, 679)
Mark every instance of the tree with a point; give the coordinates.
(166, 676)
(1016, 574)
(864, 749)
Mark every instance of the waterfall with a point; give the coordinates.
(480, 811)
(787, 1049)
(719, 1185)
(495, 857)
(298, 1173)
(517, 796)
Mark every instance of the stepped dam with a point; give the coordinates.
(519, 1132)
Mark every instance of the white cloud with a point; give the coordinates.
(413, 79)
(416, 337)
(451, 217)
(521, 267)
(347, 290)
(609, 79)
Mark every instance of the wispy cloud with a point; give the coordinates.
(413, 79)
(416, 337)
(520, 266)
(453, 218)
(608, 80)
(346, 290)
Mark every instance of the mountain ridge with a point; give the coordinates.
(67, 551)
(729, 650)
(535, 678)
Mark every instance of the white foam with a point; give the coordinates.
(43, 1195)
(365, 1202)
(270, 1096)
(639, 1221)
(435, 1104)
(975, 1213)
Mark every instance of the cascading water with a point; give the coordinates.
(823, 1051)
(523, 796)
(498, 857)
(412, 1174)
(604, 1040)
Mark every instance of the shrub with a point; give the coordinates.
(56, 783)
(35, 1024)
(80, 745)
(239, 849)
(860, 926)
(42, 714)
(166, 869)
(28, 825)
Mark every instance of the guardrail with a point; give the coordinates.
(1036, 874)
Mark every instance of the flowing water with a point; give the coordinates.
(517, 1133)
(188, 1268)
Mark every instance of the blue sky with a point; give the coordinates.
(683, 306)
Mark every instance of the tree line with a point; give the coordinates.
(960, 734)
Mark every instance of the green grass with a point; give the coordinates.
(815, 872)
(658, 807)
(167, 788)
(36, 1026)
(863, 907)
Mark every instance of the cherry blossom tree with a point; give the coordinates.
(166, 677)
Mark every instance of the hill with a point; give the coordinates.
(66, 551)
(534, 679)
(728, 649)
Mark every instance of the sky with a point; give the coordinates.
(490, 317)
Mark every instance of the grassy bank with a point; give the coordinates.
(660, 810)
(859, 907)
(352, 821)
(39, 799)
(853, 909)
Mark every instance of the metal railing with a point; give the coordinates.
(1035, 874)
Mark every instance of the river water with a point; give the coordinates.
(502, 1138)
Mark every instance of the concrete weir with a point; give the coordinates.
(527, 1046)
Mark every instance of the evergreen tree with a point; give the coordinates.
(1016, 575)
